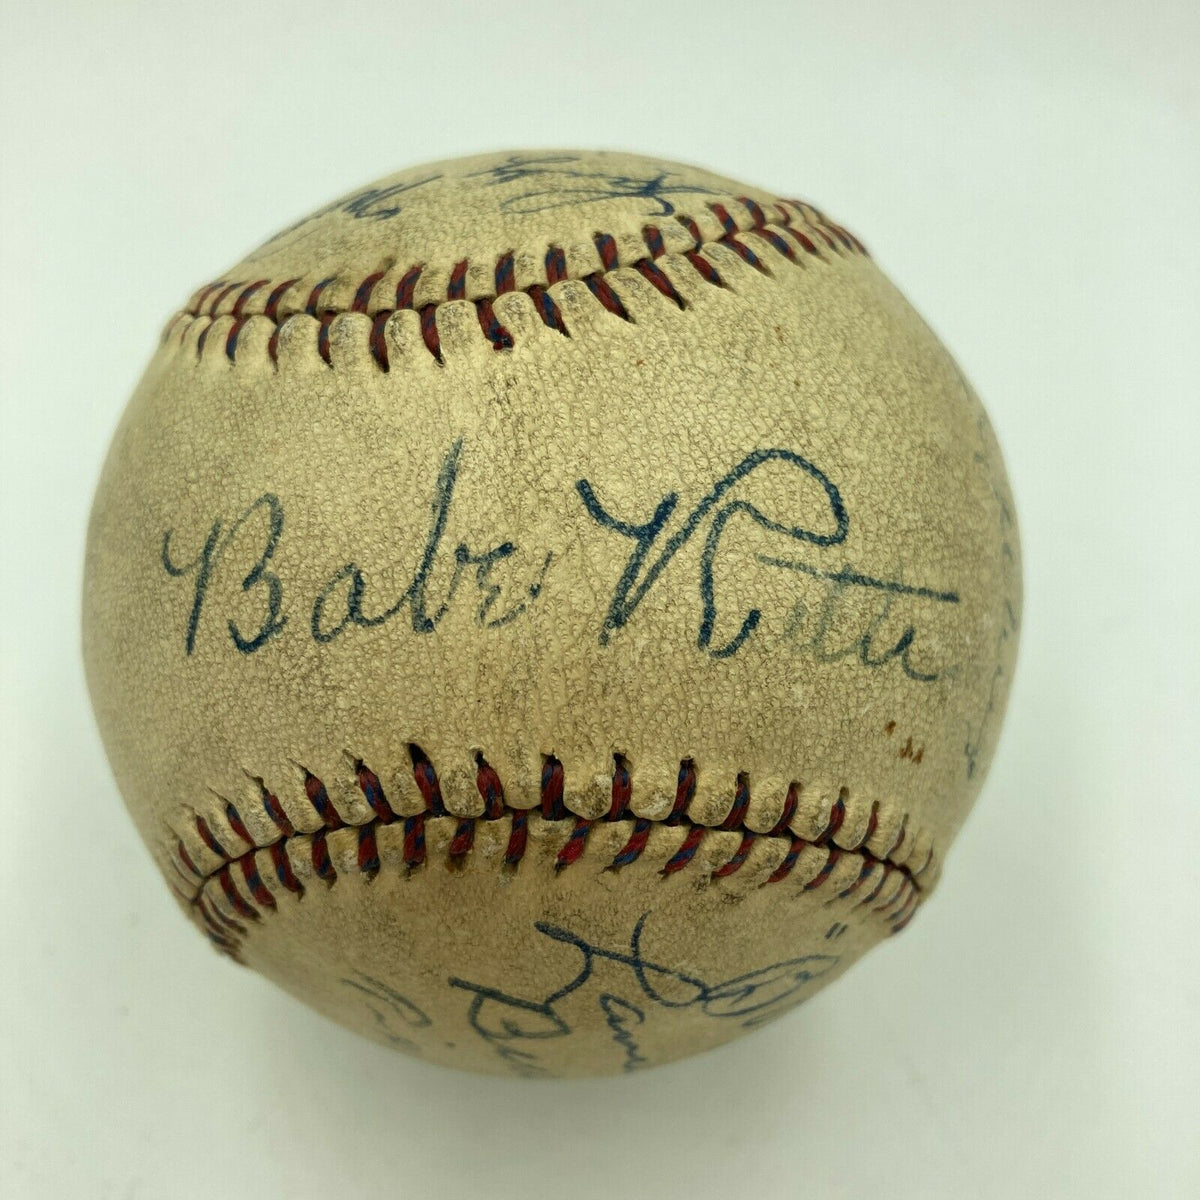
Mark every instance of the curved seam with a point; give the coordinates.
(238, 877)
(208, 302)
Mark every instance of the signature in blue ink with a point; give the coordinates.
(813, 629)
(621, 1017)
(508, 1023)
(218, 541)
(348, 586)
(344, 601)
(654, 549)
(562, 183)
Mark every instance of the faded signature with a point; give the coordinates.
(561, 182)
(368, 204)
(541, 182)
(387, 1006)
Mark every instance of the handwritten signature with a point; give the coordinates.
(653, 551)
(563, 184)
(560, 182)
(507, 1022)
(504, 590)
(344, 601)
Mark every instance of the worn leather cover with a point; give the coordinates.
(552, 611)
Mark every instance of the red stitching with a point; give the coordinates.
(207, 303)
(212, 312)
(276, 295)
(378, 342)
(362, 297)
(247, 292)
(877, 868)
(407, 287)
(456, 289)
(429, 331)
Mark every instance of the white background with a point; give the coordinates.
(1030, 174)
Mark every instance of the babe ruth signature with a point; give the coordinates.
(231, 568)
(513, 1026)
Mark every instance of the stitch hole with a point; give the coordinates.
(553, 808)
(622, 789)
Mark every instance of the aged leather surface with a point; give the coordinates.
(528, 461)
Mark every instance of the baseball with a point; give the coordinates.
(551, 611)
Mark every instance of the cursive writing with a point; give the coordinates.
(508, 1023)
(348, 585)
(260, 575)
(654, 549)
(502, 582)
(563, 183)
(344, 601)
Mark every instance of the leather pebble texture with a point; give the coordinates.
(552, 611)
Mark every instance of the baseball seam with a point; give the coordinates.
(227, 887)
(240, 300)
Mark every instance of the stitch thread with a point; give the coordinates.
(781, 231)
(248, 900)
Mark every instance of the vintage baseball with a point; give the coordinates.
(552, 611)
